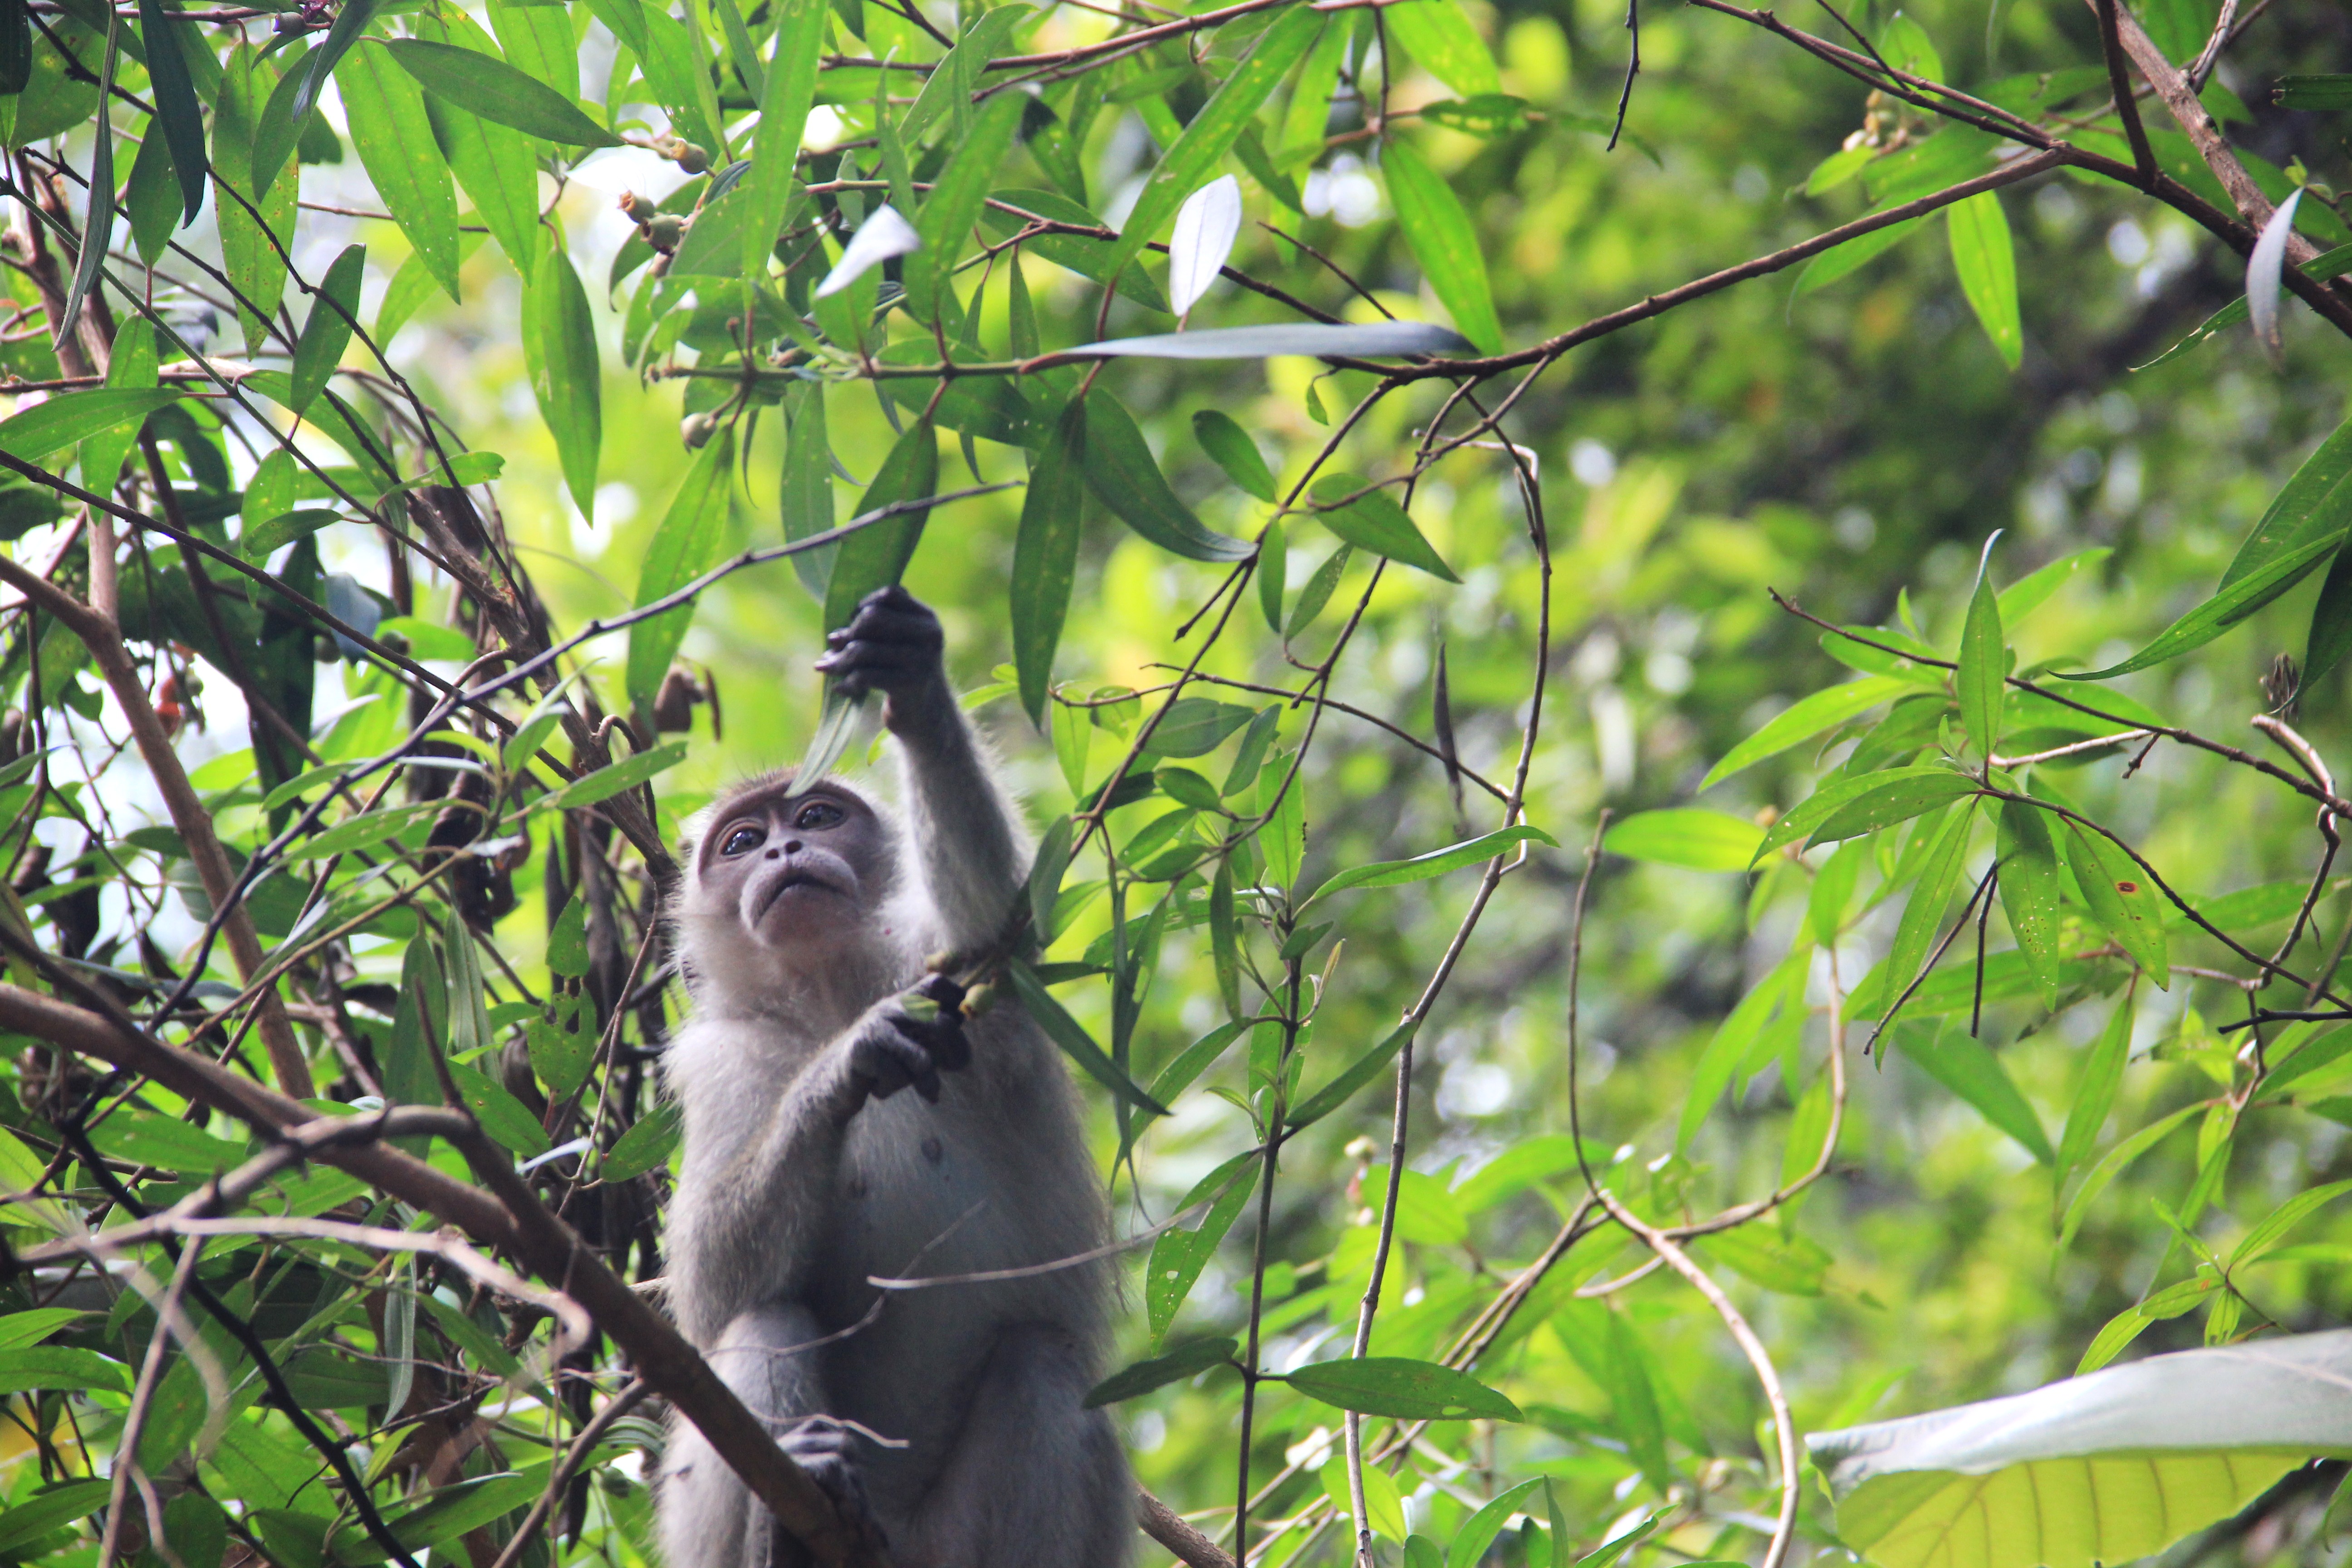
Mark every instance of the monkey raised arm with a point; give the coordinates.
(974, 855)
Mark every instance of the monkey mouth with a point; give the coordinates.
(786, 883)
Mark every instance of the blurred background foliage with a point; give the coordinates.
(1853, 446)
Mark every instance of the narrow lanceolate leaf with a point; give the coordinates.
(253, 260)
(1399, 1386)
(1232, 450)
(1804, 718)
(2331, 621)
(2263, 269)
(1211, 134)
(1185, 1361)
(1436, 863)
(98, 231)
(2035, 1479)
(1045, 556)
(1120, 468)
(1179, 1255)
(50, 427)
(1886, 803)
(1923, 913)
(2316, 503)
(1986, 260)
(394, 137)
(558, 341)
(789, 90)
(1445, 241)
(876, 556)
(1368, 519)
(488, 87)
(325, 335)
(1964, 1065)
(1072, 1037)
(1984, 663)
(1884, 789)
(1206, 226)
(2228, 607)
(2030, 887)
(685, 544)
(2094, 1094)
(607, 782)
(1440, 36)
(1374, 340)
(956, 196)
(1729, 1047)
(1351, 1079)
(805, 497)
(2122, 900)
(176, 108)
(494, 163)
(1689, 836)
(885, 233)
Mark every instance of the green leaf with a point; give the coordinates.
(1729, 1047)
(878, 553)
(1072, 1037)
(1854, 254)
(1230, 446)
(687, 543)
(68, 417)
(1778, 1260)
(150, 1138)
(394, 137)
(645, 1146)
(502, 1115)
(1190, 163)
(949, 89)
(1887, 791)
(1371, 521)
(1984, 663)
(2034, 590)
(1443, 239)
(1045, 556)
(954, 205)
(1351, 1079)
(365, 830)
(43, 1513)
(2030, 888)
(1689, 837)
(496, 166)
(180, 117)
(1400, 1386)
(98, 227)
(1121, 473)
(1195, 726)
(2113, 1164)
(2231, 606)
(2094, 1094)
(1923, 912)
(488, 87)
(19, 1330)
(253, 259)
(1383, 1508)
(1804, 718)
(805, 498)
(1441, 36)
(2121, 898)
(558, 340)
(1986, 260)
(324, 335)
(443, 1514)
(1188, 1359)
(1370, 340)
(2106, 1467)
(1088, 257)
(1478, 1532)
(1966, 1067)
(607, 782)
(59, 1367)
(1179, 1255)
(1421, 867)
(1224, 943)
(788, 92)
(2331, 621)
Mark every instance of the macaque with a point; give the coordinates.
(837, 1127)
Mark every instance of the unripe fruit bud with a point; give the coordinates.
(693, 160)
(639, 208)
(696, 431)
(979, 1000)
(665, 231)
(668, 146)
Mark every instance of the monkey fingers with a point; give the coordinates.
(941, 1039)
(824, 1448)
(892, 644)
(886, 1057)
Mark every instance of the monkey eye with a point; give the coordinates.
(741, 840)
(819, 813)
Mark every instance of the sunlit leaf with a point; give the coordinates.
(687, 543)
(1985, 261)
(1189, 1360)
(1804, 718)
(1443, 239)
(1397, 1386)
(1367, 518)
(497, 93)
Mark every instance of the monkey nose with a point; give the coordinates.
(792, 847)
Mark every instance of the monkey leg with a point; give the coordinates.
(708, 1519)
(1035, 1481)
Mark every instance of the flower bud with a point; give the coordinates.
(697, 430)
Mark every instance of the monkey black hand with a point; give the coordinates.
(893, 645)
(893, 1048)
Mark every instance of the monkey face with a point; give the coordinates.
(797, 874)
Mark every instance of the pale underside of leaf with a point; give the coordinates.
(1373, 340)
(1206, 226)
(884, 235)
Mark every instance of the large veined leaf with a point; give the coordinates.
(1373, 340)
(2100, 1469)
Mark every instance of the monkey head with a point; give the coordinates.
(783, 889)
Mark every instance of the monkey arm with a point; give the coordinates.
(974, 857)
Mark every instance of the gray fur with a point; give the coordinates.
(795, 1188)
